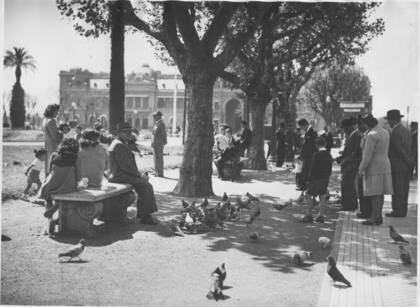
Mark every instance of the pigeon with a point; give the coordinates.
(185, 205)
(335, 274)
(254, 235)
(221, 271)
(253, 216)
(280, 207)
(5, 238)
(215, 292)
(396, 236)
(404, 255)
(300, 257)
(74, 251)
(189, 219)
(204, 204)
(324, 241)
(243, 202)
(225, 197)
(177, 231)
(252, 197)
(17, 163)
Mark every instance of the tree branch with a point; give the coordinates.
(186, 26)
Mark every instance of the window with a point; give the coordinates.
(145, 123)
(129, 102)
(161, 103)
(145, 102)
(138, 102)
(180, 103)
(216, 105)
(137, 123)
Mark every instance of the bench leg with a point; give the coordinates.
(78, 217)
(115, 208)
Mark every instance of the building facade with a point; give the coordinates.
(84, 97)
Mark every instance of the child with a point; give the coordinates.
(319, 175)
(92, 160)
(34, 169)
(298, 169)
(62, 177)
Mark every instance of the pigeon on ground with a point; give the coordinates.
(17, 163)
(215, 292)
(177, 231)
(280, 207)
(243, 202)
(74, 251)
(335, 274)
(253, 216)
(5, 238)
(404, 255)
(185, 205)
(396, 236)
(252, 197)
(204, 204)
(254, 236)
(221, 271)
(300, 257)
(324, 241)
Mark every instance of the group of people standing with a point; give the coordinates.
(90, 155)
(376, 162)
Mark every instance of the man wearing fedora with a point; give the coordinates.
(349, 162)
(159, 140)
(401, 163)
(123, 169)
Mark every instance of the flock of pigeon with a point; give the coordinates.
(193, 216)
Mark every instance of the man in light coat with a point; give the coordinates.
(401, 163)
(159, 140)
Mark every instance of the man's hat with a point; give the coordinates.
(157, 113)
(393, 114)
(302, 122)
(123, 127)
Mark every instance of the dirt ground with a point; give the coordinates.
(147, 266)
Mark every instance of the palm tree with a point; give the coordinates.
(18, 59)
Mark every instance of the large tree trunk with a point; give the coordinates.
(17, 107)
(196, 169)
(256, 156)
(117, 79)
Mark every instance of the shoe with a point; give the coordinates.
(307, 219)
(393, 214)
(319, 219)
(51, 226)
(361, 215)
(49, 212)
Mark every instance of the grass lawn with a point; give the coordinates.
(14, 179)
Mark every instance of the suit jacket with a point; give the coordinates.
(400, 149)
(308, 147)
(246, 135)
(352, 153)
(159, 135)
(122, 163)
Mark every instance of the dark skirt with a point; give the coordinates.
(318, 187)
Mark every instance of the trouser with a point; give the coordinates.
(304, 175)
(377, 202)
(401, 186)
(365, 205)
(146, 202)
(158, 159)
(280, 156)
(348, 191)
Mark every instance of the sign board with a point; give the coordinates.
(352, 110)
(351, 105)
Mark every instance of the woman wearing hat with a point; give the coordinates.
(53, 135)
(92, 160)
(375, 168)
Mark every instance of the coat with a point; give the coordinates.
(308, 147)
(400, 149)
(375, 166)
(352, 153)
(159, 135)
(122, 164)
(53, 137)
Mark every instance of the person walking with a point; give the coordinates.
(414, 149)
(401, 163)
(159, 140)
(52, 134)
(349, 162)
(307, 150)
(245, 139)
(123, 169)
(281, 145)
(375, 168)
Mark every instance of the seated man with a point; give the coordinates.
(228, 150)
(123, 169)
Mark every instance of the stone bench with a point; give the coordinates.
(77, 210)
(232, 169)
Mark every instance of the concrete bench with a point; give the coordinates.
(232, 169)
(78, 209)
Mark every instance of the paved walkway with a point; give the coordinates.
(369, 259)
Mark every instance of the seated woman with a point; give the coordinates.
(62, 177)
(93, 160)
(229, 152)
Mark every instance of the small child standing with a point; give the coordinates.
(62, 177)
(34, 169)
(319, 176)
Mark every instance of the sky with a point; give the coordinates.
(392, 63)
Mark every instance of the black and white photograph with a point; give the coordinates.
(204, 153)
